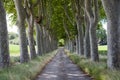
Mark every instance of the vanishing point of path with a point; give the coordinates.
(62, 68)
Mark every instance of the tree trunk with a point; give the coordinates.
(77, 45)
(93, 20)
(43, 39)
(112, 9)
(30, 21)
(80, 35)
(39, 40)
(24, 57)
(4, 45)
(93, 42)
(87, 39)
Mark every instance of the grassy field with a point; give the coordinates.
(102, 48)
(14, 50)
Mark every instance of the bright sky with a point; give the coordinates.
(11, 28)
(105, 26)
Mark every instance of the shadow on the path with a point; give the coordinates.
(62, 68)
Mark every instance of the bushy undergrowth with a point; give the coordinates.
(97, 70)
(26, 71)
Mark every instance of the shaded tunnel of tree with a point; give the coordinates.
(48, 21)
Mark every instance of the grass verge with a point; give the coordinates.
(98, 70)
(26, 71)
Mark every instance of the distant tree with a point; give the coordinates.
(12, 35)
(4, 46)
(79, 21)
(101, 35)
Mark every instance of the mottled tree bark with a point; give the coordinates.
(4, 45)
(80, 35)
(87, 38)
(77, 45)
(38, 39)
(92, 13)
(31, 42)
(24, 57)
(43, 39)
(30, 20)
(79, 26)
(112, 9)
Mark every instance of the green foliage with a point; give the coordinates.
(26, 71)
(61, 42)
(54, 14)
(10, 9)
(14, 41)
(12, 35)
(58, 16)
(13, 38)
(102, 15)
(101, 34)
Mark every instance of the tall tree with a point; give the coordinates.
(30, 20)
(87, 38)
(91, 8)
(112, 9)
(39, 39)
(24, 57)
(4, 46)
(79, 22)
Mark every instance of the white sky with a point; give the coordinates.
(11, 28)
(105, 26)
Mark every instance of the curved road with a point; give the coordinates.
(62, 68)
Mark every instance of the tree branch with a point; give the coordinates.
(65, 9)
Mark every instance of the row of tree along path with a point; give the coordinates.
(62, 68)
(75, 21)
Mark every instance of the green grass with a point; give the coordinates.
(14, 50)
(26, 71)
(102, 48)
(97, 70)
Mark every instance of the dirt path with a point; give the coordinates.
(62, 68)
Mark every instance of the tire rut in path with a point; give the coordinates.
(62, 68)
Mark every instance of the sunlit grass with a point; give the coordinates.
(14, 50)
(102, 48)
